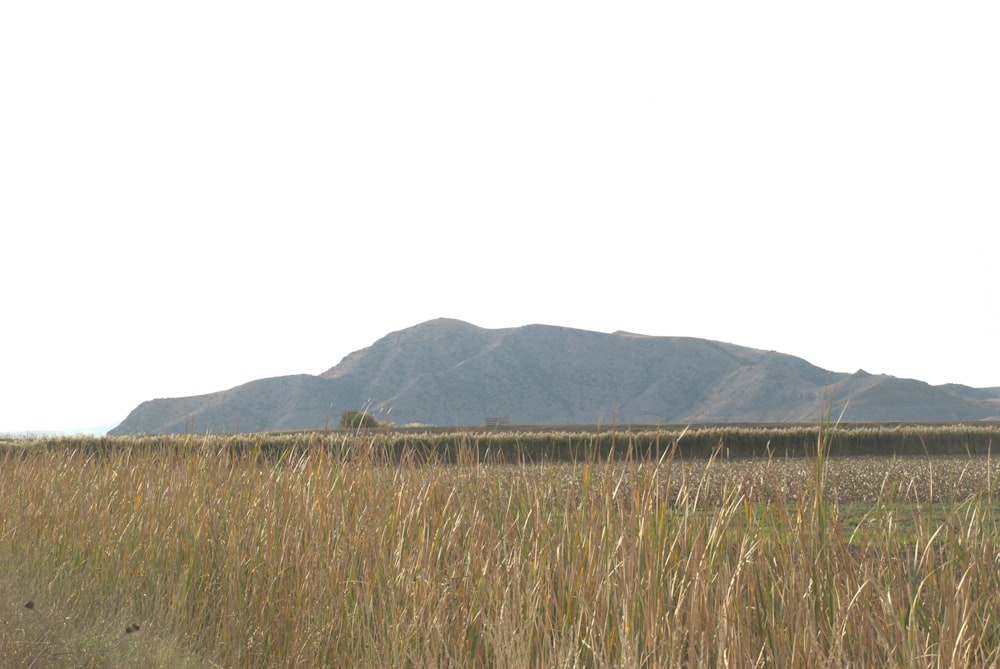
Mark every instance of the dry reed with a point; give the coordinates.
(208, 555)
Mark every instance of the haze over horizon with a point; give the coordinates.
(201, 194)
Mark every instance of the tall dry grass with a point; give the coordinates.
(250, 558)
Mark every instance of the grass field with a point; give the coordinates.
(368, 550)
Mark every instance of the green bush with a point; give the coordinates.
(357, 419)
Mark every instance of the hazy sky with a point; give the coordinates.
(198, 194)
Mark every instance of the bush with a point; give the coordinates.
(357, 419)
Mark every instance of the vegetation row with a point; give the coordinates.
(515, 446)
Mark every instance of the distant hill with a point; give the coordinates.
(448, 372)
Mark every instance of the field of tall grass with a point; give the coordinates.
(332, 550)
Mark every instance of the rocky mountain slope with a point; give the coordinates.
(448, 372)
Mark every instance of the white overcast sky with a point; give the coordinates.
(198, 194)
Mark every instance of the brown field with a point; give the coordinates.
(225, 552)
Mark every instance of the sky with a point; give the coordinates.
(195, 195)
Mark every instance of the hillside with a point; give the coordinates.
(448, 372)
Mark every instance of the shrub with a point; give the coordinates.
(357, 419)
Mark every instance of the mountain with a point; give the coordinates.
(448, 372)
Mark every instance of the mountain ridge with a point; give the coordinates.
(450, 372)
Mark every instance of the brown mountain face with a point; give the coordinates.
(447, 372)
